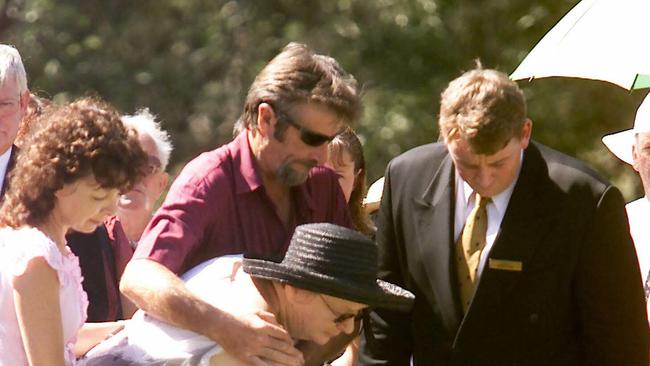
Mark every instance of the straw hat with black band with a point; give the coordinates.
(333, 260)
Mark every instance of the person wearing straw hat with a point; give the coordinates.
(633, 147)
(517, 254)
(328, 276)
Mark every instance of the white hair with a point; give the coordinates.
(145, 123)
(11, 65)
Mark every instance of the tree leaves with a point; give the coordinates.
(191, 63)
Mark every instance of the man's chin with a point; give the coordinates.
(87, 228)
(292, 178)
(321, 341)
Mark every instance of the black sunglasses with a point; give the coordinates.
(307, 136)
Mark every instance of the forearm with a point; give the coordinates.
(92, 334)
(158, 291)
(251, 337)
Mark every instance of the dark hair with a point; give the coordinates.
(298, 75)
(349, 141)
(73, 141)
(483, 107)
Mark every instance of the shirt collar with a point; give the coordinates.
(247, 179)
(501, 200)
(304, 193)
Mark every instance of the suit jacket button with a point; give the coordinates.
(534, 318)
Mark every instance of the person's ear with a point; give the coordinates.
(526, 132)
(266, 119)
(635, 156)
(161, 184)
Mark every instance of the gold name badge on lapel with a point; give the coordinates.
(505, 265)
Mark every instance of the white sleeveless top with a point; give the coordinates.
(17, 248)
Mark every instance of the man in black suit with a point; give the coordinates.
(14, 98)
(550, 279)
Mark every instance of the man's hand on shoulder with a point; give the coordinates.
(258, 339)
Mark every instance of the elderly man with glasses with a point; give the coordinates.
(247, 197)
(135, 208)
(14, 98)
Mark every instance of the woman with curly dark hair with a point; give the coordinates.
(68, 175)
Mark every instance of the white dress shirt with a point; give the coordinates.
(4, 162)
(496, 209)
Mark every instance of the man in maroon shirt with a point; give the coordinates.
(247, 197)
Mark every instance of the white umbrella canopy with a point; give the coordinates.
(605, 40)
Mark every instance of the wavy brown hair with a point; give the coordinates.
(298, 75)
(483, 107)
(348, 141)
(73, 141)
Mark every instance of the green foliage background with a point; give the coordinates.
(191, 63)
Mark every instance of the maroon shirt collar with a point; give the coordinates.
(304, 197)
(245, 171)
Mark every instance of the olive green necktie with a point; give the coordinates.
(469, 247)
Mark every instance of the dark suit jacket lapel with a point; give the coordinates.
(434, 213)
(10, 166)
(528, 216)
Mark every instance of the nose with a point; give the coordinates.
(346, 326)
(484, 177)
(110, 207)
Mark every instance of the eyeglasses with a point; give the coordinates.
(307, 136)
(341, 317)
(8, 106)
